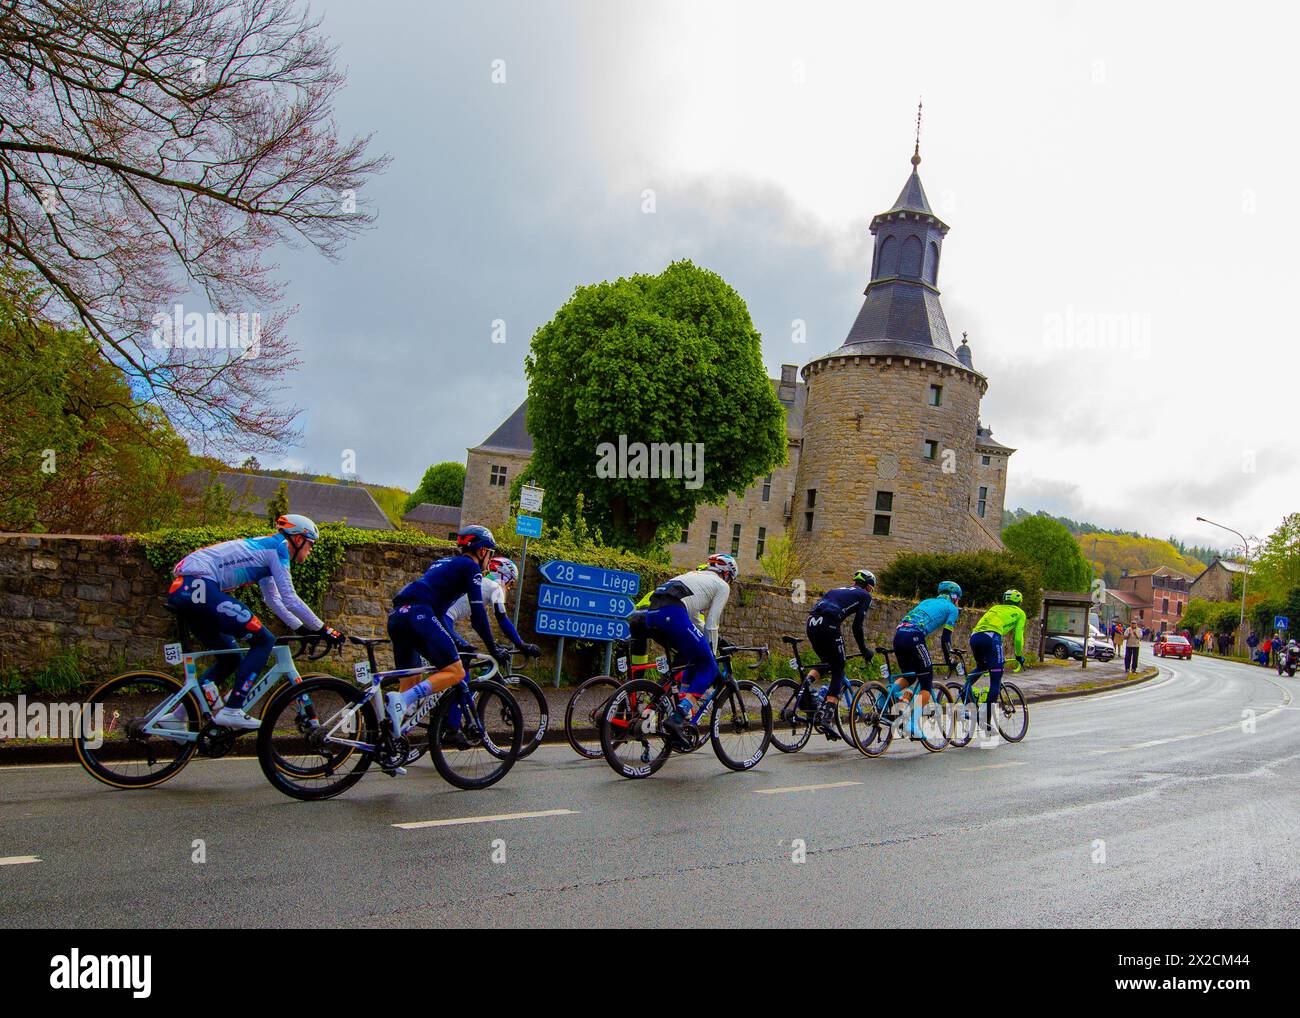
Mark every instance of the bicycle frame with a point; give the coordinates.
(281, 666)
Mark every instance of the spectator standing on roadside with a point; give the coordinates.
(1132, 641)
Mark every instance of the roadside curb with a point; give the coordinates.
(1144, 676)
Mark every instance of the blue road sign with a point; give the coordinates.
(528, 526)
(1280, 622)
(580, 627)
(573, 574)
(589, 602)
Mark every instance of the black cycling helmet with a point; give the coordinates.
(473, 538)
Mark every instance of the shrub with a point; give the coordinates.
(983, 576)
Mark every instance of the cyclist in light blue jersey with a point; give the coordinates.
(935, 614)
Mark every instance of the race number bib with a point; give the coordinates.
(661, 663)
(362, 672)
(622, 664)
(172, 653)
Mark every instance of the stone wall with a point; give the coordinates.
(101, 596)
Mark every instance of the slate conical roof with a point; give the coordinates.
(912, 197)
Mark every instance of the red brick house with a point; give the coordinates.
(1160, 597)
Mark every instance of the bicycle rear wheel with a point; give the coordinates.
(492, 727)
(741, 725)
(791, 727)
(964, 716)
(1012, 713)
(583, 714)
(870, 723)
(533, 709)
(304, 741)
(632, 735)
(127, 757)
(936, 720)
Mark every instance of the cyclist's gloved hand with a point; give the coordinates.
(502, 658)
(530, 650)
(331, 636)
(1020, 662)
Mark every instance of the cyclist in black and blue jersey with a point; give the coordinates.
(931, 615)
(418, 623)
(823, 629)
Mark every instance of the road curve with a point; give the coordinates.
(1168, 804)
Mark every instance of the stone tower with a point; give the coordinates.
(893, 452)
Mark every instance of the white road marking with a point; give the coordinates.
(806, 788)
(994, 767)
(420, 824)
(17, 860)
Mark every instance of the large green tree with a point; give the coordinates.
(1276, 571)
(79, 453)
(442, 484)
(631, 370)
(1052, 549)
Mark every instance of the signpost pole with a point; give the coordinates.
(559, 660)
(609, 655)
(519, 592)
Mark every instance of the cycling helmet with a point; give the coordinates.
(293, 525)
(1013, 597)
(507, 572)
(865, 577)
(474, 538)
(949, 589)
(724, 566)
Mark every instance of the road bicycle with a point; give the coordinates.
(1010, 713)
(154, 724)
(794, 717)
(635, 742)
(878, 710)
(587, 705)
(473, 730)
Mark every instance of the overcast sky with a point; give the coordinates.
(1113, 174)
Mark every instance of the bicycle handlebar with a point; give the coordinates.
(308, 641)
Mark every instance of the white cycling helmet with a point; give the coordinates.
(507, 572)
(292, 525)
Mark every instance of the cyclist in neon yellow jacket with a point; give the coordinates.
(986, 645)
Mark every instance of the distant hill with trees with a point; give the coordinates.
(1119, 549)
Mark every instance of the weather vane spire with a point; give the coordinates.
(916, 152)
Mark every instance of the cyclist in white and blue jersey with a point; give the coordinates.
(200, 596)
(935, 614)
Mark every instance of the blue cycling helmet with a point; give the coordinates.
(949, 589)
(473, 538)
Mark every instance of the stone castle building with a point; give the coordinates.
(886, 449)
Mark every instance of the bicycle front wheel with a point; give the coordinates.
(1012, 713)
(475, 740)
(871, 721)
(741, 725)
(534, 709)
(583, 714)
(632, 729)
(964, 716)
(117, 751)
(791, 727)
(844, 708)
(306, 743)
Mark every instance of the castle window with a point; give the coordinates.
(880, 527)
(686, 534)
(931, 449)
(985, 461)
(498, 477)
(884, 513)
(812, 498)
(911, 260)
(713, 537)
(884, 501)
(767, 488)
(762, 540)
(983, 502)
(735, 539)
(936, 395)
(807, 521)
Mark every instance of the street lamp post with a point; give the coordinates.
(1241, 624)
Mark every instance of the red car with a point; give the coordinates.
(1173, 645)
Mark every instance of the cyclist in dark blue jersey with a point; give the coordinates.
(418, 623)
(823, 630)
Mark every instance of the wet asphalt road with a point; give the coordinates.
(1171, 803)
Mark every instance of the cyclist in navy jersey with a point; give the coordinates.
(418, 623)
(823, 630)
